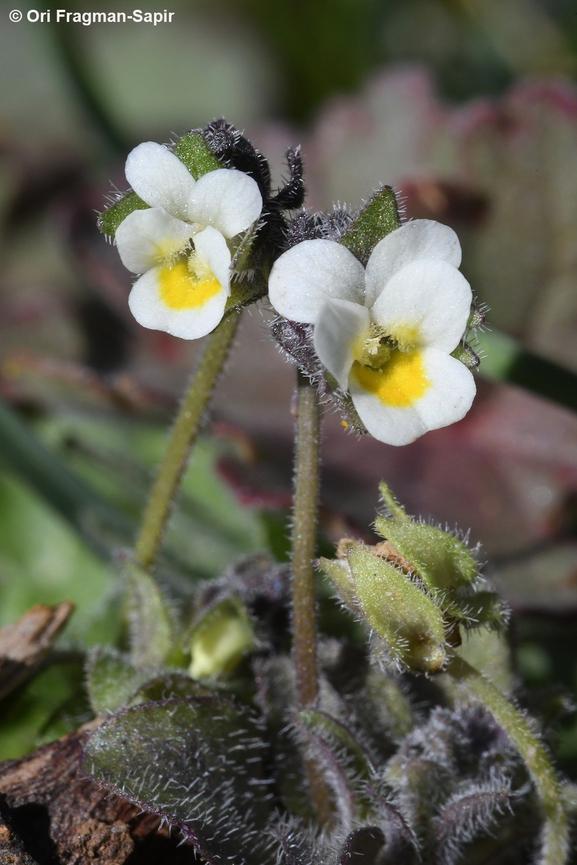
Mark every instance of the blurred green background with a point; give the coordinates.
(469, 108)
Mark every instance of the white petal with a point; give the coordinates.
(150, 311)
(446, 400)
(339, 324)
(227, 199)
(160, 178)
(423, 238)
(211, 247)
(425, 303)
(146, 237)
(305, 276)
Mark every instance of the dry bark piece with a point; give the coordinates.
(12, 851)
(58, 816)
(24, 644)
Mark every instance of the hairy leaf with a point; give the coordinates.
(362, 846)
(152, 626)
(111, 678)
(200, 764)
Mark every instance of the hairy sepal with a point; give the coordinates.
(378, 218)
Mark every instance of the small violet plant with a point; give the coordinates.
(319, 754)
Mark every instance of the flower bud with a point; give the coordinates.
(220, 639)
(393, 606)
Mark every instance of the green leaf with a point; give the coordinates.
(167, 685)
(341, 738)
(109, 221)
(193, 150)
(48, 707)
(404, 616)
(111, 678)
(388, 706)
(347, 767)
(277, 695)
(199, 763)
(505, 359)
(363, 846)
(153, 639)
(101, 524)
(378, 218)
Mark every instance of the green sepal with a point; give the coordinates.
(153, 637)
(195, 153)
(442, 561)
(395, 509)
(111, 678)
(339, 573)
(243, 292)
(350, 416)
(109, 221)
(481, 608)
(398, 611)
(378, 218)
(220, 639)
(465, 354)
(476, 317)
(242, 257)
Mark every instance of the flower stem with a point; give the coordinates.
(183, 436)
(555, 837)
(305, 506)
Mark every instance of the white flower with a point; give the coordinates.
(386, 333)
(179, 245)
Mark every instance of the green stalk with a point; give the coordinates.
(184, 434)
(555, 838)
(305, 507)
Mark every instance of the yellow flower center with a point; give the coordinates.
(399, 382)
(187, 284)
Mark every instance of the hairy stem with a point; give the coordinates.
(555, 837)
(305, 506)
(183, 436)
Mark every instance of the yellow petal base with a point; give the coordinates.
(399, 383)
(183, 287)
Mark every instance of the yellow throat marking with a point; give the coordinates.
(187, 284)
(399, 382)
